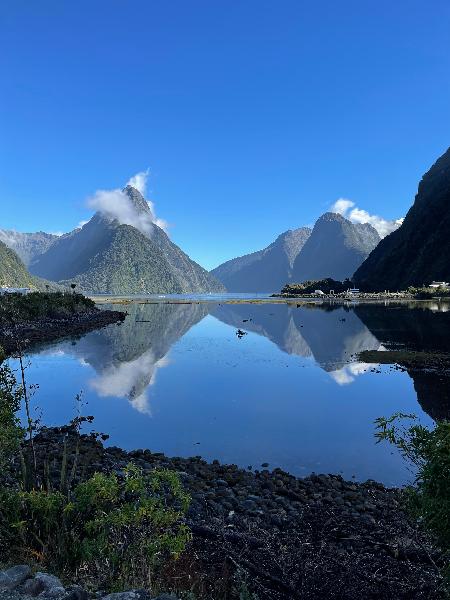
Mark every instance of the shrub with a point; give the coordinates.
(11, 395)
(114, 529)
(429, 451)
(18, 308)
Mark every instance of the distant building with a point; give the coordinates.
(319, 293)
(439, 284)
(353, 291)
(11, 290)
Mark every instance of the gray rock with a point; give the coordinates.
(166, 597)
(13, 577)
(54, 592)
(75, 592)
(18, 574)
(44, 585)
(5, 581)
(131, 595)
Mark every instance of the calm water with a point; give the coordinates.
(177, 379)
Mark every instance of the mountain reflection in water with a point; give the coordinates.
(176, 378)
(126, 357)
(331, 335)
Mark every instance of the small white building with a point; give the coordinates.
(319, 293)
(439, 284)
(353, 291)
(11, 290)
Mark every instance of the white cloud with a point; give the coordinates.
(350, 211)
(131, 380)
(349, 372)
(116, 204)
(139, 181)
(156, 220)
(82, 224)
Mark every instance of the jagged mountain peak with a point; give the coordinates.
(124, 255)
(266, 269)
(335, 249)
(136, 198)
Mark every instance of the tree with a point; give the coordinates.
(73, 286)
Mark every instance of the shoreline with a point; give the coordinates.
(289, 300)
(314, 537)
(31, 333)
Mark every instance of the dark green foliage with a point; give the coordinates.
(308, 287)
(419, 251)
(429, 451)
(116, 529)
(37, 305)
(131, 264)
(427, 293)
(13, 272)
(11, 432)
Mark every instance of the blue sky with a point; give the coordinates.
(253, 117)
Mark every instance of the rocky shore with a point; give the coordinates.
(47, 329)
(317, 537)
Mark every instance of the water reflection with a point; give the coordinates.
(331, 335)
(127, 357)
(423, 327)
(291, 393)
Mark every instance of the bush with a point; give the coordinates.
(117, 531)
(309, 287)
(12, 434)
(37, 305)
(114, 529)
(429, 451)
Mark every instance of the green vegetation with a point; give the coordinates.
(427, 293)
(129, 263)
(309, 287)
(429, 451)
(13, 272)
(36, 305)
(116, 529)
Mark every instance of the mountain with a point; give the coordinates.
(419, 251)
(110, 257)
(28, 246)
(13, 272)
(335, 248)
(266, 270)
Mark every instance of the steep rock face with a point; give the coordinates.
(28, 246)
(266, 270)
(106, 256)
(419, 251)
(335, 248)
(12, 270)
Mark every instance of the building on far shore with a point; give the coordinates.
(439, 284)
(11, 290)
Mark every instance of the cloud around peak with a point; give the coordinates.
(349, 210)
(116, 204)
(139, 181)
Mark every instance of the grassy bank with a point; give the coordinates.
(40, 317)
